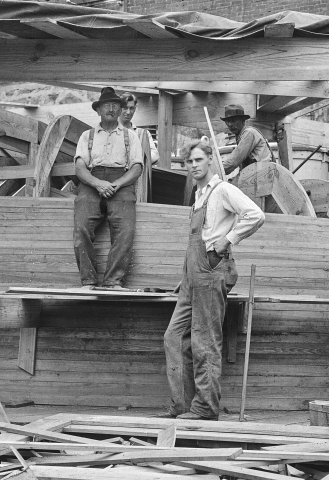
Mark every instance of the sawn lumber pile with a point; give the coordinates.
(138, 448)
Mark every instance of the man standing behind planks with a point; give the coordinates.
(252, 146)
(193, 340)
(108, 162)
(129, 105)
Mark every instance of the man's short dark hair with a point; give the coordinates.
(128, 97)
(205, 147)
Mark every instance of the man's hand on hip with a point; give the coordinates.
(105, 189)
(221, 245)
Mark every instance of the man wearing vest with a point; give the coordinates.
(252, 146)
(194, 338)
(108, 163)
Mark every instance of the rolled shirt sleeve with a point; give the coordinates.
(82, 148)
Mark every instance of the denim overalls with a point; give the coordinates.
(193, 340)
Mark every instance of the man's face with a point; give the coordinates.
(109, 111)
(128, 111)
(235, 124)
(198, 163)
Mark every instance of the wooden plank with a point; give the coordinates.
(18, 126)
(272, 59)
(275, 103)
(268, 87)
(80, 473)
(221, 468)
(167, 437)
(309, 132)
(210, 426)
(173, 455)
(165, 120)
(51, 26)
(150, 27)
(67, 442)
(322, 446)
(190, 434)
(299, 106)
(27, 349)
(233, 316)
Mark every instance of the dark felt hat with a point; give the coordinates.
(234, 111)
(107, 95)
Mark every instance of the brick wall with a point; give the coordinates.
(240, 10)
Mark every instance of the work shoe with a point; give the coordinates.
(116, 287)
(166, 415)
(194, 416)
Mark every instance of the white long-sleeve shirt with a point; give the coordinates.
(226, 203)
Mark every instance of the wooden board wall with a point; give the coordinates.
(112, 354)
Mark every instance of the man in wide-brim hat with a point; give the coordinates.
(252, 146)
(108, 163)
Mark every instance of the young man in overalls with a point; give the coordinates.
(193, 340)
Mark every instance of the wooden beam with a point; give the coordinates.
(298, 105)
(175, 60)
(165, 115)
(272, 88)
(80, 473)
(149, 27)
(51, 26)
(275, 103)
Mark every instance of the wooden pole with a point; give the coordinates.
(246, 356)
(219, 158)
(165, 113)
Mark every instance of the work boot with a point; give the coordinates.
(194, 416)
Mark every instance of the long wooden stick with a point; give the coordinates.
(246, 355)
(219, 158)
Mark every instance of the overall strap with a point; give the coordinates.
(127, 146)
(90, 143)
(205, 202)
(266, 141)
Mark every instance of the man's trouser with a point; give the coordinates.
(90, 209)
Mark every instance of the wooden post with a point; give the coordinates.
(165, 114)
(284, 138)
(246, 356)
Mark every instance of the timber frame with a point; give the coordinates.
(287, 59)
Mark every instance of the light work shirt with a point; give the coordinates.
(109, 148)
(250, 143)
(154, 151)
(225, 205)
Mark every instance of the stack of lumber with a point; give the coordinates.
(287, 451)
